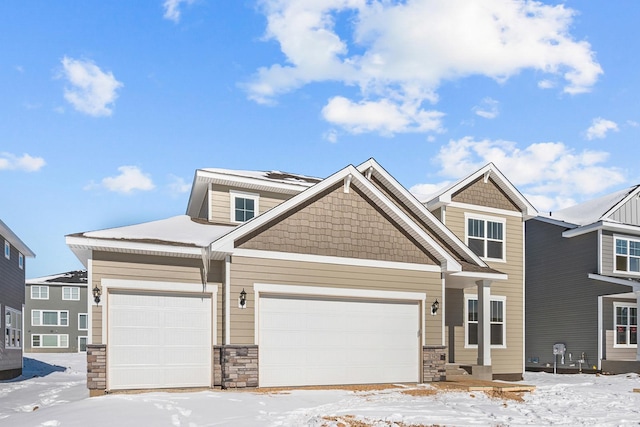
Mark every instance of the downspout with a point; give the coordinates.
(89, 299)
(444, 310)
(600, 333)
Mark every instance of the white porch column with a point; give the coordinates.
(637, 292)
(484, 322)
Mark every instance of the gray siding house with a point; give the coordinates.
(582, 285)
(56, 319)
(12, 273)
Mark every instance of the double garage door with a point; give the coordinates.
(159, 340)
(322, 341)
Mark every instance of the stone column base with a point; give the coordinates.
(96, 369)
(434, 360)
(239, 366)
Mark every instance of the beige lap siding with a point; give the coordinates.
(108, 265)
(616, 353)
(220, 202)
(509, 359)
(245, 272)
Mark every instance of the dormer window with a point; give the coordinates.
(244, 206)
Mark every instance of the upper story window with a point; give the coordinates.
(244, 206)
(626, 325)
(496, 318)
(20, 261)
(70, 293)
(39, 292)
(7, 250)
(627, 255)
(485, 236)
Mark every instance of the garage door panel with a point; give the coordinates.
(159, 340)
(306, 341)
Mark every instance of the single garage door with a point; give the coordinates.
(159, 340)
(314, 341)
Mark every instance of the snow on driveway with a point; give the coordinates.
(52, 392)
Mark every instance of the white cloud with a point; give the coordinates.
(381, 116)
(91, 91)
(178, 185)
(172, 9)
(488, 108)
(600, 127)
(546, 84)
(25, 163)
(130, 179)
(398, 53)
(423, 192)
(551, 173)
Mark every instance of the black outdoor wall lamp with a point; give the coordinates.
(96, 294)
(434, 307)
(242, 301)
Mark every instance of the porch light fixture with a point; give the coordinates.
(434, 307)
(96, 294)
(242, 301)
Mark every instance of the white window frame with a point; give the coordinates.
(41, 317)
(494, 298)
(12, 328)
(233, 195)
(70, 289)
(86, 342)
(41, 340)
(7, 249)
(485, 239)
(628, 256)
(20, 260)
(40, 288)
(627, 305)
(86, 322)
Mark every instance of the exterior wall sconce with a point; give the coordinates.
(434, 307)
(96, 294)
(242, 300)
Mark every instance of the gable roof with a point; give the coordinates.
(272, 181)
(597, 209)
(443, 197)
(12, 238)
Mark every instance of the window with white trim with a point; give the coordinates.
(627, 255)
(49, 318)
(82, 344)
(7, 250)
(485, 236)
(83, 321)
(50, 341)
(39, 292)
(496, 319)
(70, 293)
(244, 206)
(13, 328)
(20, 260)
(625, 325)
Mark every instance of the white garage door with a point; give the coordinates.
(159, 340)
(310, 341)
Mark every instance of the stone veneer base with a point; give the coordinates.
(434, 360)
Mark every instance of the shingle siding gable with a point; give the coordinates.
(338, 224)
(484, 194)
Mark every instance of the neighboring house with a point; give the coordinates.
(274, 279)
(12, 273)
(56, 313)
(583, 283)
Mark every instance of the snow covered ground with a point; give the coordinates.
(52, 392)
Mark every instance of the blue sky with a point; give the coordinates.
(108, 108)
